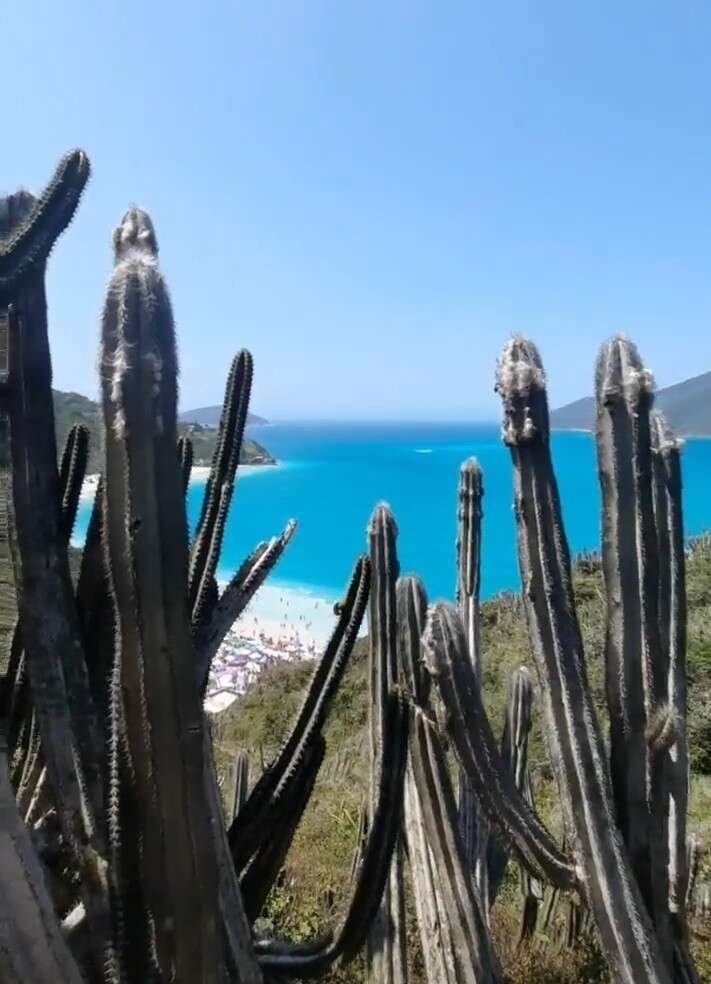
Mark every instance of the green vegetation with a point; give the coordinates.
(73, 408)
(315, 882)
(210, 417)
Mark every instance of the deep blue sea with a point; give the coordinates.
(332, 475)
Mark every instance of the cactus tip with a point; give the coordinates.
(134, 233)
(382, 520)
(519, 370)
(471, 476)
(521, 383)
(663, 437)
(620, 373)
(74, 169)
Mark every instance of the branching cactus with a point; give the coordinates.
(618, 881)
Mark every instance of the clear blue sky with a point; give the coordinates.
(373, 195)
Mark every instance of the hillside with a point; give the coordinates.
(73, 408)
(687, 406)
(317, 877)
(210, 417)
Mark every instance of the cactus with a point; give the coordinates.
(609, 886)
(240, 784)
(50, 630)
(254, 824)
(249, 577)
(672, 622)
(120, 865)
(453, 929)
(387, 951)
(309, 960)
(471, 820)
(25, 248)
(514, 758)
(147, 548)
(185, 457)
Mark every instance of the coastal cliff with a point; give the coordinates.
(73, 408)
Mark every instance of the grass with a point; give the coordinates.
(314, 884)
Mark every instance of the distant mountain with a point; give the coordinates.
(73, 408)
(686, 405)
(210, 417)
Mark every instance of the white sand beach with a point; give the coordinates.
(279, 624)
(198, 475)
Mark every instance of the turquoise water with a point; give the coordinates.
(334, 474)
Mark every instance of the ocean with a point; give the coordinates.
(331, 476)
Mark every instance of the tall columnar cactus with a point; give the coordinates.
(469, 514)
(147, 547)
(607, 870)
(220, 488)
(61, 702)
(453, 929)
(514, 758)
(387, 942)
(672, 621)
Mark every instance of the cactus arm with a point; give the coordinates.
(258, 879)
(577, 749)
(438, 949)
(447, 660)
(27, 247)
(30, 936)
(220, 484)
(56, 669)
(185, 457)
(426, 890)
(96, 609)
(71, 477)
(514, 758)
(471, 953)
(240, 787)
(411, 601)
(241, 962)
(148, 554)
(248, 829)
(672, 620)
(382, 534)
(281, 960)
(240, 590)
(471, 492)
